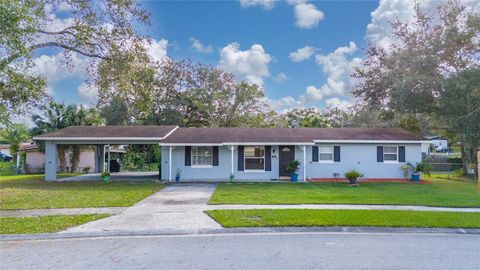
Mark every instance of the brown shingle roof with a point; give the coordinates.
(233, 135)
(226, 135)
(153, 132)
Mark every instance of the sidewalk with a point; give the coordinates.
(175, 208)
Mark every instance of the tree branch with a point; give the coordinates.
(4, 62)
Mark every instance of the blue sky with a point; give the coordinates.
(259, 41)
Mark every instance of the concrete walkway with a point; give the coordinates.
(61, 211)
(340, 206)
(176, 207)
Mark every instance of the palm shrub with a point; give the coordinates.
(293, 166)
(419, 167)
(352, 176)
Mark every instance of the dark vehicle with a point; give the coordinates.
(5, 157)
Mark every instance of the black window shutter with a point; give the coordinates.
(215, 156)
(268, 158)
(336, 153)
(401, 153)
(315, 153)
(188, 156)
(240, 158)
(379, 153)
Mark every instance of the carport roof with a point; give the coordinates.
(109, 132)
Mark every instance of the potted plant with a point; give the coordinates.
(231, 177)
(177, 175)
(352, 176)
(292, 168)
(105, 176)
(417, 170)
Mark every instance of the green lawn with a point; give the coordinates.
(316, 217)
(45, 224)
(31, 192)
(440, 192)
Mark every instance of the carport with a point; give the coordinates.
(98, 137)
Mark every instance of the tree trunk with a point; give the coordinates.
(62, 149)
(74, 158)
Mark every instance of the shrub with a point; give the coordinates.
(353, 174)
(418, 167)
(293, 166)
(86, 169)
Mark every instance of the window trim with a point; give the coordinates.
(332, 153)
(245, 158)
(200, 166)
(390, 153)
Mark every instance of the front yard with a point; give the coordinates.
(316, 217)
(32, 192)
(441, 192)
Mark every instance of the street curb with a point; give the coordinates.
(264, 230)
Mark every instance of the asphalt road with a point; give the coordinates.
(248, 251)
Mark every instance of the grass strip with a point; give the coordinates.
(43, 224)
(367, 218)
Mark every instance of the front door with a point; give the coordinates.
(287, 154)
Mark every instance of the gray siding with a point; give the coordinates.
(362, 157)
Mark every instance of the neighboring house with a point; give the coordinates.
(5, 149)
(438, 143)
(254, 153)
(35, 159)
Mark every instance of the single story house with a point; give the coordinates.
(254, 153)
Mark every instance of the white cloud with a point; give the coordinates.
(280, 77)
(338, 103)
(200, 47)
(302, 54)
(284, 104)
(266, 4)
(157, 49)
(250, 65)
(53, 68)
(87, 92)
(379, 31)
(307, 16)
(337, 66)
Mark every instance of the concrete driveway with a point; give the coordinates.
(176, 207)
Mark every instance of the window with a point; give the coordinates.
(325, 154)
(390, 154)
(202, 156)
(254, 157)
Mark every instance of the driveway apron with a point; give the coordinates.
(176, 207)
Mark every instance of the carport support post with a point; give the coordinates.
(50, 161)
(478, 170)
(108, 164)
